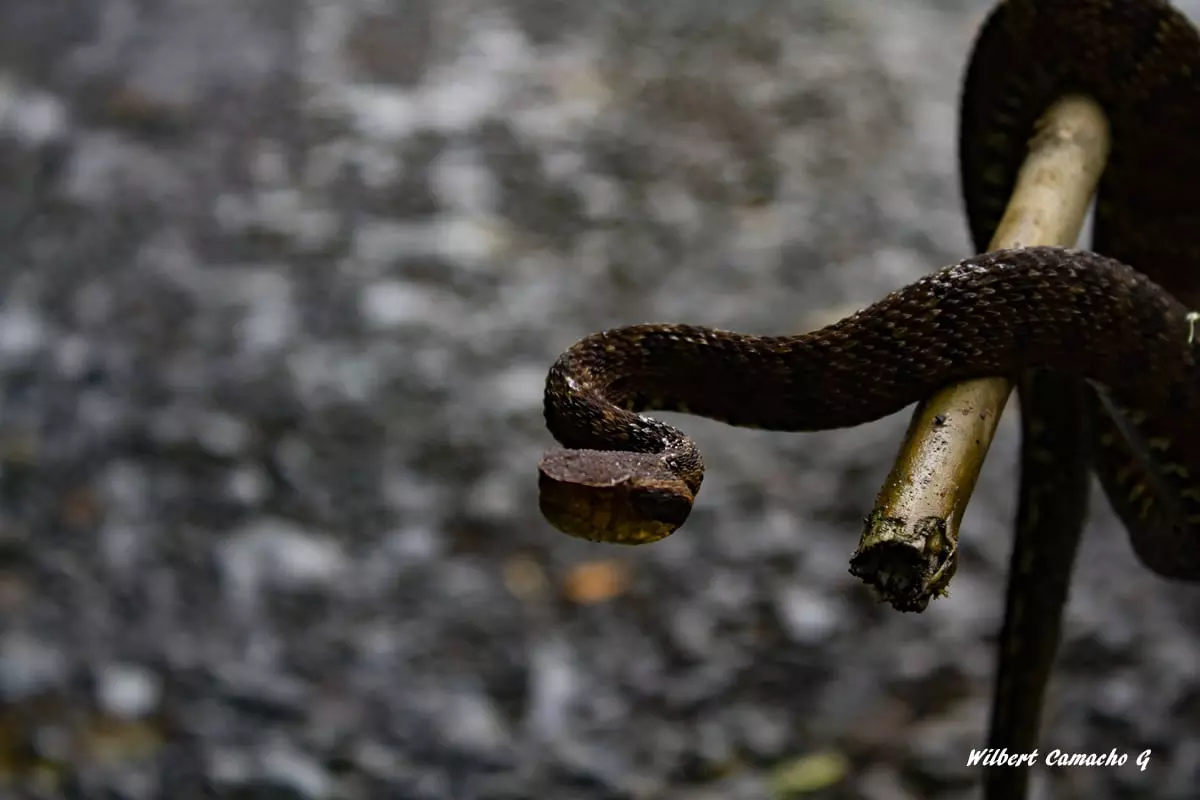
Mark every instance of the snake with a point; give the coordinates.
(1101, 341)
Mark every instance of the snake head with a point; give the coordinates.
(612, 496)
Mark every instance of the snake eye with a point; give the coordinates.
(661, 505)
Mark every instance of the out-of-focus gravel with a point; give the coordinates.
(280, 284)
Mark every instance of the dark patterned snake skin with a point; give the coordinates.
(1102, 345)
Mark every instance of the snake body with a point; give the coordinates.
(1102, 344)
(1001, 313)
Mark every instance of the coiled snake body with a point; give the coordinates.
(1117, 322)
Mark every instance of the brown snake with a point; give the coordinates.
(1103, 352)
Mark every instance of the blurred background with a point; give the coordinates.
(280, 284)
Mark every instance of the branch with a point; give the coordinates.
(908, 549)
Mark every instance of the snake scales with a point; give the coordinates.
(1102, 344)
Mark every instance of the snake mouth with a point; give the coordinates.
(612, 496)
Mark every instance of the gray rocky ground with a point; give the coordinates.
(280, 286)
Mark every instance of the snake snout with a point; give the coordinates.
(612, 496)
